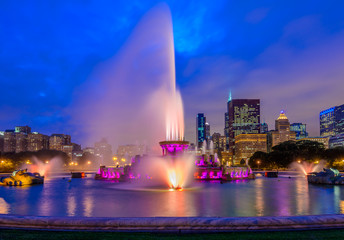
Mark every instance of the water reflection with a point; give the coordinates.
(4, 206)
(90, 198)
(88, 206)
(71, 205)
(302, 197)
(259, 197)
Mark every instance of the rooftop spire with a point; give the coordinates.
(230, 96)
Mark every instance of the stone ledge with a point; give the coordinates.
(173, 224)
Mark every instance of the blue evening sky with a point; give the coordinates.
(290, 54)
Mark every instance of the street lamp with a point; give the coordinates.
(258, 162)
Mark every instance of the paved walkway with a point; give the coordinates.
(173, 224)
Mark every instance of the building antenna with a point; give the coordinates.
(230, 96)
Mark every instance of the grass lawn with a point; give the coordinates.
(58, 235)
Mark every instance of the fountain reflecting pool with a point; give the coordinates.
(87, 197)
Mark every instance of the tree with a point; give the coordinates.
(258, 156)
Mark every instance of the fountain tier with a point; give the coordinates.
(172, 148)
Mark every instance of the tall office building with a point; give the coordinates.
(1, 141)
(207, 132)
(339, 120)
(299, 129)
(37, 141)
(103, 150)
(243, 118)
(22, 129)
(332, 121)
(264, 128)
(226, 131)
(56, 141)
(200, 129)
(327, 122)
(21, 142)
(216, 140)
(9, 141)
(281, 133)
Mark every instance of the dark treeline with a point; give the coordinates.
(12, 161)
(284, 154)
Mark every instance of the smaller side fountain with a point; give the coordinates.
(327, 176)
(22, 177)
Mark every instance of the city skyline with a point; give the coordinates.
(287, 56)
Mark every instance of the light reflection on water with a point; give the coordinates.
(4, 206)
(88, 197)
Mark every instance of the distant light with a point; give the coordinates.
(89, 162)
(46, 162)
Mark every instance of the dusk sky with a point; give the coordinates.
(289, 54)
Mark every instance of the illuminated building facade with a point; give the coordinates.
(9, 141)
(299, 129)
(264, 128)
(332, 121)
(89, 150)
(281, 133)
(216, 140)
(226, 130)
(323, 140)
(336, 141)
(37, 141)
(243, 118)
(200, 129)
(207, 132)
(131, 150)
(56, 141)
(103, 151)
(339, 120)
(247, 144)
(21, 142)
(327, 122)
(2, 141)
(22, 129)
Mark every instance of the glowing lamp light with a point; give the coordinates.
(89, 162)
(46, 162)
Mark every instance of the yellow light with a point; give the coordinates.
(114, 158)
(123, 159)
(76, 164)
(46, 162)
(89, 162)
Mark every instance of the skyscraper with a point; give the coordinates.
(207, 132)
(332, 121)
(243, 118)
(281, 133)
(200, 129)
(264, 128)
(339, 120)
(327, 122)
(299, 129)
(37, 141)
(226, 131)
